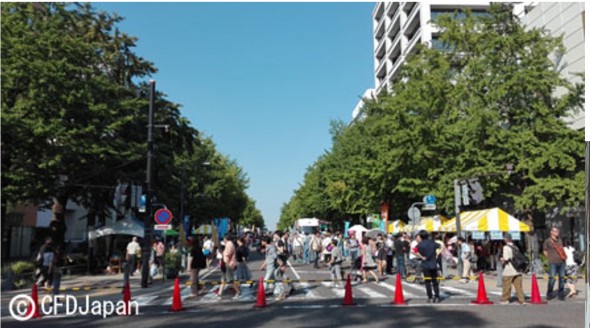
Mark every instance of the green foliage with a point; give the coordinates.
(73, 103)
(22, 267)
(494, 98)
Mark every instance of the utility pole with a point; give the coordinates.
(457, 206)
(147, 236)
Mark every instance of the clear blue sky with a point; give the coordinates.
(262, 79)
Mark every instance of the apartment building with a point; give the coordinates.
(398, 27)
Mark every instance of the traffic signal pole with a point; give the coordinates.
(147, 236)
(457, 190)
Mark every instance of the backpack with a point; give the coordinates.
(519, 261)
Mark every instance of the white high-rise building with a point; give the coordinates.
(564, 19)
(399, 26)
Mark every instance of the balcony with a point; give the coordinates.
(394, 27)
(391, 9)
(380, 30)
(379, 10)
(413, 18)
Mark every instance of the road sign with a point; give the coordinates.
(429, 207)
(162, 227)
(429, 199)
(163, 216)
(414, 214)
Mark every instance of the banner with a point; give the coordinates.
(384, 215)
(346, 226)
(479, 235)
(515, 235)
(382, 225)
(222, 226)
(496, 235)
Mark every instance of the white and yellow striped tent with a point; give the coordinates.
(428, 223)
(395, 227)
(205, 229)
(494, 219)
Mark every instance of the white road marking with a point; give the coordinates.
(145, 300)
(406, 294)
(457, 291)
(309, 294)
(371, 293)
(338, 291)
(184, 293)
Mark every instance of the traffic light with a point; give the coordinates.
(471, 192)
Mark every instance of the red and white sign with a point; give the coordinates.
(163, 216)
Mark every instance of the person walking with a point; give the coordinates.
(465, 257)
(133, 249)
(306, 251)
(400, 254)
(45, 262)
(197, 262)
(316, 249)
(353, 249)
(556, 256)
(231, 262)
(270, 261)
(427, 252)
(510, 276)
(336, 263)
(242, 253)
(389, 248)
(209, 250)
(368, 263)
(571, 269)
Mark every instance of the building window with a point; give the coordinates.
(460, 14)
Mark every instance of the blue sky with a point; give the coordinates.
(262, 79)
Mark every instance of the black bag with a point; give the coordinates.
(519, 261)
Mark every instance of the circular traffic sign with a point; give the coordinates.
(430, 199)
(414, 214)
(163, 216)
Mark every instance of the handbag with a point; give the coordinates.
(559, 250)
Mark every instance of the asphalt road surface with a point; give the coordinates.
(315, 305)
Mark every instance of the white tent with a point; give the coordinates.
(128, 226)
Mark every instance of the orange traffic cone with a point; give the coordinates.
(127, 299)
(176, 299)
(261, 299)
(34, 307)
(348, 293)
(535, 295)
(399, 293)
(482, 297)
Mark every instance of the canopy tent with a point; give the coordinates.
(494, 219)
(395, 227)
(428, 223)
(129, 226)
(171, 233)
(205, 229)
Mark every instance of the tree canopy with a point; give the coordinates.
(492, 97)
(74, 103)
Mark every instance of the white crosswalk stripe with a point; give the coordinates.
(405, 288)
(453, 290)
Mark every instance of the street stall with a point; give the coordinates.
(489, 220)
(428, 223)
(395, 227)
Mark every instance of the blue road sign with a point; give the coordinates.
(430, 199)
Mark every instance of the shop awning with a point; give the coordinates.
(428, 223)
(395, 227)
(128, 226)
(494, 219)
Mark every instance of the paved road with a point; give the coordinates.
(319, 304)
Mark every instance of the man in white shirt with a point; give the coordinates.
(133, 249)
(465, 256)
(510, 276)
(414, 260)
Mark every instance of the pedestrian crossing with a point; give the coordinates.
(384, 290)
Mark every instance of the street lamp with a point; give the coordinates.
(147, 236)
